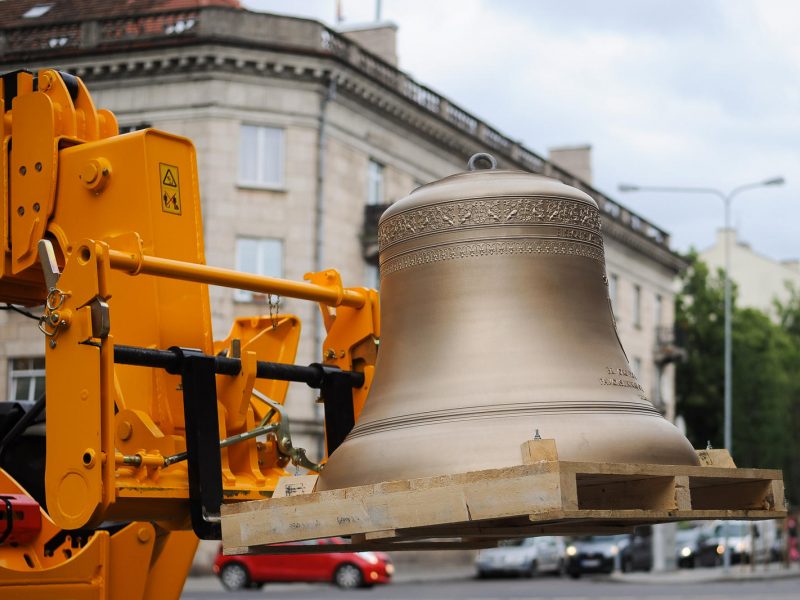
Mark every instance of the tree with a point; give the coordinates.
(699, 318)
(788, 314)
(766, 373)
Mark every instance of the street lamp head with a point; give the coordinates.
(774, 181)
(628, 187)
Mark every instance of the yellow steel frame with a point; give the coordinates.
(128, 236)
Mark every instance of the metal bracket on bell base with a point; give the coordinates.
(198, 379)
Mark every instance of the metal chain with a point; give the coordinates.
(273, 309)
(51, 322)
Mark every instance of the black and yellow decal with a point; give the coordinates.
(170, 191)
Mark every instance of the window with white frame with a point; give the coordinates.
(260, 256)
(25, 378)
(261, 156)
(637, 305)
(375, 183)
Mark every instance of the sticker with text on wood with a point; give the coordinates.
(170, 192)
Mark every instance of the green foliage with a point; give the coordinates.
(699, 318)
(766, 375)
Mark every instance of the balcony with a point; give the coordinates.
(669, 346)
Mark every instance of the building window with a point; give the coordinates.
(658, 310)
(25, 378)
(375, 183)
(261, 156)
(637, 305)
(260, 256)
(613, 286)
(637, 367)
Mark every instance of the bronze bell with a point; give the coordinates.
(496, 322)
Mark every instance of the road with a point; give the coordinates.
(537, 589)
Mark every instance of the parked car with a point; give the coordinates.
(522, 556)
(593, 554)
(687, 546)
(346, 569)
(739, 536)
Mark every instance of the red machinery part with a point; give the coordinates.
(20, 519)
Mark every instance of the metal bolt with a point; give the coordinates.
(88, 458)
(125, 430)
(21, 211)
(36, 207)
(23, 170)
(38, 166)
(143, 535)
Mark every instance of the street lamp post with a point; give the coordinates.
(726, 200)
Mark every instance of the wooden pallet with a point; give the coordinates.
(542, 496)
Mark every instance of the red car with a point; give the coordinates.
(346, 569)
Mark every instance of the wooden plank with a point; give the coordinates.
(457, 544)
(716, 458)
(295, 486)
(536, 451)
(667, 470)
(683, 496)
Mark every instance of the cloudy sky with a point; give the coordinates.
(667, 92)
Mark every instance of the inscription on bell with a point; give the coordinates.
(619, 381)
(623, 372)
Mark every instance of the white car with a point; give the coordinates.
(522, 556)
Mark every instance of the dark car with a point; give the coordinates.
(636, 550)
(345, 569)
(593, 554)
(687, 546)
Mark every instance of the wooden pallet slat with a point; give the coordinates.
(469, 510)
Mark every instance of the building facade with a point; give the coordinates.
(303, 137)
(760, 280)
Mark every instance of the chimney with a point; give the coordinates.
(380, 38)
(576, 160)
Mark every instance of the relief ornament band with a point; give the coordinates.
(466, 214)
(575, 230)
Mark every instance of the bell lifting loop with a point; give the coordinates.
(472, 164)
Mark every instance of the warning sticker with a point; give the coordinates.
(170, 192)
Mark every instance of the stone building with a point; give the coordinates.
(303, 137)
(759, 279)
